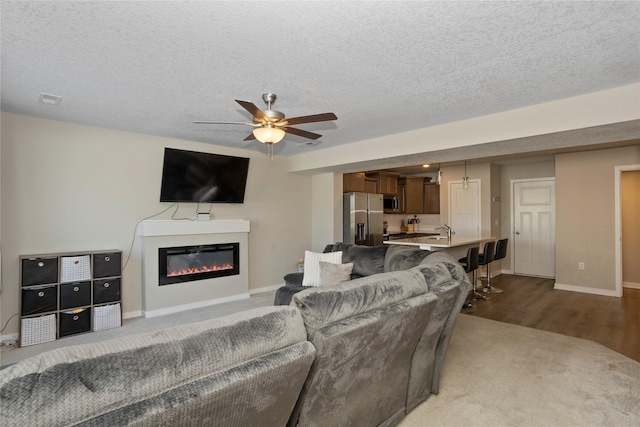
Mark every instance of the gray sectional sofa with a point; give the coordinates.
(364, 352)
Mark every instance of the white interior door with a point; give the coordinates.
(534, 244)
(464, 208)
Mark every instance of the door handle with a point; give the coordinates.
(517, 232)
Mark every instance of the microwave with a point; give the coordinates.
(390, 203)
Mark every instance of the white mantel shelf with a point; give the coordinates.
(149, 228)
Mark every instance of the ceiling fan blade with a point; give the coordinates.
(204, 122)
(311, 119)
(255, 111)
(302, 133)
(250, 137)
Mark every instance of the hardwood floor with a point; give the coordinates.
(530, 301)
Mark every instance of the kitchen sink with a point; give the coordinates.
(438, 238)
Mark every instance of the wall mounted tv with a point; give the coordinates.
(189, 176)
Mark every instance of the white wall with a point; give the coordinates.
(605, 107)
(585, 218)
(68, 188)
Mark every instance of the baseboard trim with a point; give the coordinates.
(584, 290)
(265, 289)
(191, 306)
(631, 285)
(132, 314)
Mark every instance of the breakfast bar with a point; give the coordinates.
(455, 246)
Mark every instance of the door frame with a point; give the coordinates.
(618, 223)
(512, 215)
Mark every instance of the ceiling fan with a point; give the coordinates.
(271, 125)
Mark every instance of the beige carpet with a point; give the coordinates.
(497, 374)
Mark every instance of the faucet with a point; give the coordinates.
(445, 228)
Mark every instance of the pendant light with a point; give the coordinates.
(465, 178)
(439, 178)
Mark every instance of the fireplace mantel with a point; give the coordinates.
(150, 228)
(159, 300)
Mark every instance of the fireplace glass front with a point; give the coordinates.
(189, 263)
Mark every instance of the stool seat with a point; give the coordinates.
(470, 265)
(500, 252)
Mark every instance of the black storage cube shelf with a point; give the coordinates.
(107, 290)
(39, 299)
(39, 271)
(107, 264)
(74, 322)
(75, 294)
(59, 294)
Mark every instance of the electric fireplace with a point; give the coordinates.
(199, 262)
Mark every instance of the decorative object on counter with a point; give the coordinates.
(413, 223)
(403, 228)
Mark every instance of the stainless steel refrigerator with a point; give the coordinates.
(362, 218)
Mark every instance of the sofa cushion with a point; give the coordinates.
(333, 274)
(367, 260)
(399, 257)
(243, 369)
(324, 305)
(365, 332)
(312, 265)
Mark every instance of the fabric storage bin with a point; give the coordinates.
(39, 271)
(107, 290)
(39, 299)
(107, 264)
(106, 317)
(36, 330)
(75, 294)
(75, 268)
(75, 322)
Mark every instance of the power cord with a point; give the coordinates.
(135, 229)
(7, 323)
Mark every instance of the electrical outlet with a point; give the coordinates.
(8, 344)
(581, 266)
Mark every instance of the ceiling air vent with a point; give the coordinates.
(47, 98)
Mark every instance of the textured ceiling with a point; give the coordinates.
(381, 67)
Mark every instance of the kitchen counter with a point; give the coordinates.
(457, 246)
(406, 234)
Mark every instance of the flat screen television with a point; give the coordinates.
(189, 176)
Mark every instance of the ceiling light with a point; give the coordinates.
(269, 134)
(425, 166)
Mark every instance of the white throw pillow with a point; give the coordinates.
(333, 274)
(312, 265)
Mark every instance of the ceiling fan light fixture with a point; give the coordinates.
(268, 134)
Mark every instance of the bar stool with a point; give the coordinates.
(485, 258)
(470, 265)
(501, 252)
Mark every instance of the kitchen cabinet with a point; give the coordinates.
(370, 185)
(431, 198)
(358, 182)
(414, 195)
(387, 182)
(402, 195)
(353, 182)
